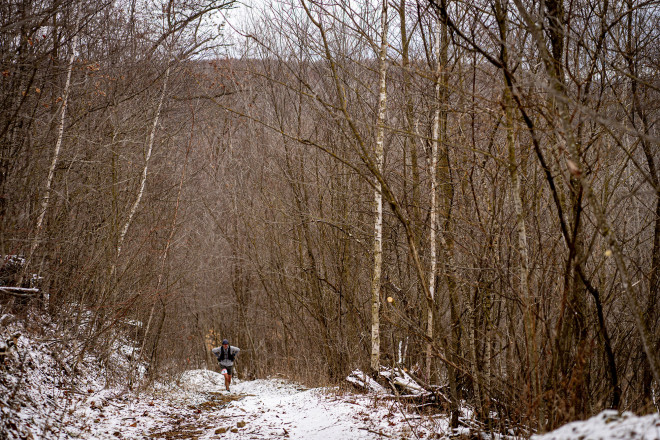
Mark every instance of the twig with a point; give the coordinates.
(376, 432)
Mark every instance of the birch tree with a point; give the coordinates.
(45, 203)
(378, 196)
(433, 165)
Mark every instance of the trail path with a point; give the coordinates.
(261, 409)
(44, 397)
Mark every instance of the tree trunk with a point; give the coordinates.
(444, 223)
(378, 196)
(529, 326)
(145, 169)
(433, 203)
(410, 148)
(56, 153)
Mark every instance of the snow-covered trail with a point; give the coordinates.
(260, 409)
(271, 409)
(45, 397)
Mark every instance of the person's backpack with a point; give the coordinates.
(230, 356)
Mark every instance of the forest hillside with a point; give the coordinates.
(466, 192)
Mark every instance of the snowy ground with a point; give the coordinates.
(261, 409)
(45, 395)
(49, 393)
(608, 425)
(199, 408)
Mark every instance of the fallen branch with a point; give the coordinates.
(403, 380)
(362, 380)
(22, 292)
(376, 432)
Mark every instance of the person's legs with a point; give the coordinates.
(228, 377)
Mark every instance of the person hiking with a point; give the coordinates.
(226, 355)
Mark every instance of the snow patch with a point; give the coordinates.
(608, 425)
(202, 380)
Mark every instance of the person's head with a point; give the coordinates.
(225, 343)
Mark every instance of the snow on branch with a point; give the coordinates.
(404, 381)
(399, 380)
(362, 380)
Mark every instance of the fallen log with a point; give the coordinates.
(21, 292)
(362, 380)
(403, 381)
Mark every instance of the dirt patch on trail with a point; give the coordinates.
(217, 401)
(183, 433)
(197, 421)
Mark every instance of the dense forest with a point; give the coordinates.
(467, 190)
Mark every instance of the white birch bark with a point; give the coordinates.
(145, 170)
(378, 196)
(56, 152)
(136, 203)
(433, 165)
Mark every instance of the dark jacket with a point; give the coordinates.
(226, 357)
